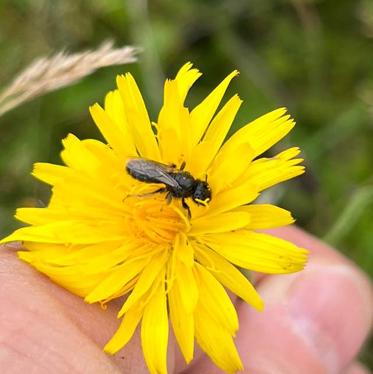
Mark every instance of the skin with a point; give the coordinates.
(314, 322)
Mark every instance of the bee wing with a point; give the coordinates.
(151, 171)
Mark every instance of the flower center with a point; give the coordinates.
(151, 219)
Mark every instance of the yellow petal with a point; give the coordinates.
(114, 108)
(182, 299)
(41, 216)
(232, 198)
(229, 276)
(182, 323)
(289, 153)
(96, 200)
(38, 216)
(50, 173)
(184, 281)
(220, 125)
(266, 216)
(216, 341)
(67, 232)
(90, 159)
(137, 118)
(94, 159)
(88, 256)
(219, 223)
(259, 252)
(146, 280)
(265, 173)
(185, 79)
(229, 166)
(183, 251)
(126, 252)
(173, 126)
(71, 192)
(118, 137)
(204, 152)
(125, 330)
(116, 280)
(76, 282)
(213, 295)
(76, 156)
(263, 132)
(217, 344)
(169, 142)
(105, 154)
(104, 256)
(203, 113)
(56, 249)
(154, 330)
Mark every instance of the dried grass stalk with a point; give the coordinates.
(48, 74)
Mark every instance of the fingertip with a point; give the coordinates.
(331, 307)
(314, 321)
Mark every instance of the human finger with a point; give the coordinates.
(44, 328)
(314, 321)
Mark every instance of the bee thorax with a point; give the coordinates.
(186, 182)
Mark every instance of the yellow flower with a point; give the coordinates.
(105, 234)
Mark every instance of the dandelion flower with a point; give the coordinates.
(105, 234)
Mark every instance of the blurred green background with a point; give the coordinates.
(313, 56)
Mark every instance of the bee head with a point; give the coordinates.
(202, 193)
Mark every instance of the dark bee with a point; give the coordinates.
(178, 183)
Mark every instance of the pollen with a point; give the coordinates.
(152, 219)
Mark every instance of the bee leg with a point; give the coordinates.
(162, 189)
(168, 198)
(186, 207)
(182, 166)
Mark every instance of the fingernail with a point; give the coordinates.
(331, 309)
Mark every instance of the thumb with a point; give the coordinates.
(314, 321)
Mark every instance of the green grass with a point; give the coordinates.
(314, 57)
